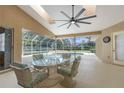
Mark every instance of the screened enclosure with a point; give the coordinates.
(33, 43)
(77, 44)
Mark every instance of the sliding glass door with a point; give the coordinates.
(118, 48)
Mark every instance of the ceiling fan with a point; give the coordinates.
(75, 18)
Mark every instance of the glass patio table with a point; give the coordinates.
(51, 62)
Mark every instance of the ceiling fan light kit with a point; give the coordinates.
(75, 18)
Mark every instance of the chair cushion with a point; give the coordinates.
(38, 76)
(64, 71)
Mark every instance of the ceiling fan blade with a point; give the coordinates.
(81, 11)
(69, 26)
(63, 24)
(84, 22)
(76, 24)
(87, 17)
(65, 14)
(72, 10)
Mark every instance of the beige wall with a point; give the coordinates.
(106, 48)
(99, 46)
(14, 17)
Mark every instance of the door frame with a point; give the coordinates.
(114, 48)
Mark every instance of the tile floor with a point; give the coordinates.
(92, 74)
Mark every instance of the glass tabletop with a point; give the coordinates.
(49, 60)
(53, 59)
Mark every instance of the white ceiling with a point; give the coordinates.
(106, 17)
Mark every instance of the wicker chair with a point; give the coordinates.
(25, 77)
(66, 57)
(38, 58)
(69, 73)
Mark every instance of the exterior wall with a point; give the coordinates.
(14, 17)
(107, 54)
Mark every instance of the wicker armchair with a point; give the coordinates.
(69, 73)
(66, 58)
(25, 77)
(38, 58)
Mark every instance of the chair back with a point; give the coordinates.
(74, 69)
(23, 74)
(37, 57)
(66, 55)
(67, 58)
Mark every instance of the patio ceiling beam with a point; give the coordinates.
(79, 34)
